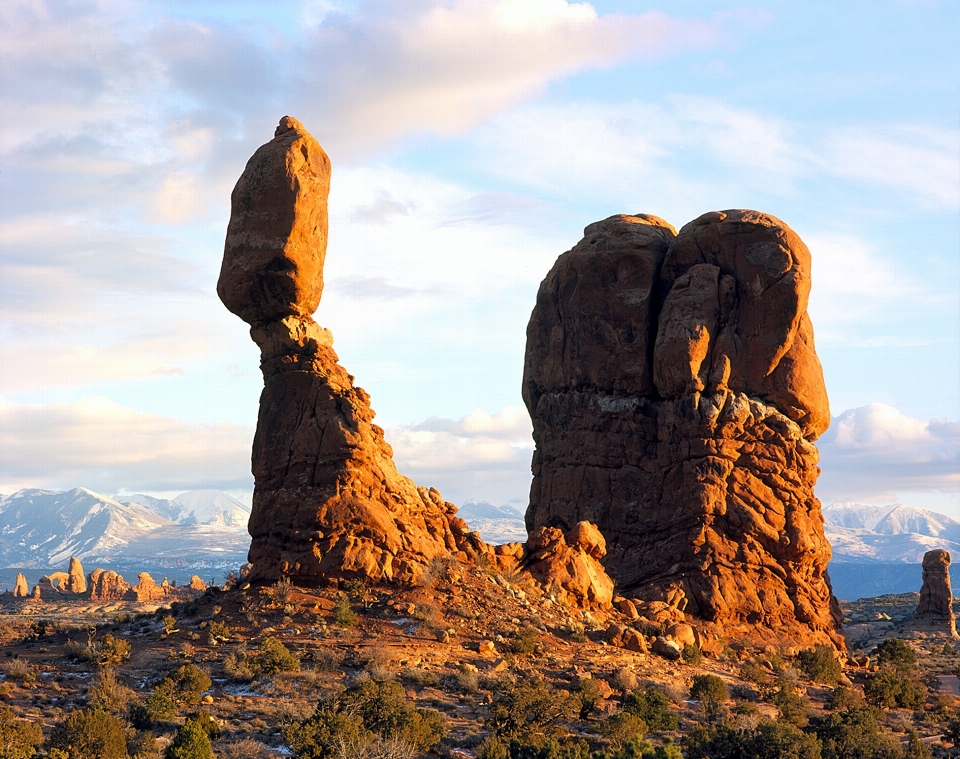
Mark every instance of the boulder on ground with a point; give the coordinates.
(568, 567)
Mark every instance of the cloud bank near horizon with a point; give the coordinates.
(873, 454)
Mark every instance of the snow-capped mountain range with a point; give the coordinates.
(44, 528)
(861, 533)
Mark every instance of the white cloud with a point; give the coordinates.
(877, 454)
(689, 153)
(99, 444)
(480, 455)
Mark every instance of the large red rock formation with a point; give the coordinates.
(675, 393)
(328, 500)
(936, 596)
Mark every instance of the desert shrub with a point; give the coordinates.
(468, 680)
(360, 716)
(854, 734)
(19, 739)
(244, 748)
(185, 685)
(111, 694)
(237, 665)
(588, 691)
(19, 670)
(531, 707)
(622, 728)
(218, 633)
(767, 740)
(524, 641)
(143, 745)
(653, 707)
(692, 655)
(534, 747)
(343, 613)
(190, 742)
(916, 748)
(820, 665)
(708, 688)
(895, 653)
(845, 699)
(90, 734)
(890, 689)
(646, 750)
(109, 651)
(754, 673)
(282, 591)
(792, 706)
(273, 657)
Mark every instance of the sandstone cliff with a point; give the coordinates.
(675, 393)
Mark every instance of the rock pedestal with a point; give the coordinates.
(935, 608)
(328, 500)
(675, 393)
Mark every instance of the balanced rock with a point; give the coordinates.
(675, 393)
(20, 587)
(936, 596)
(328, 500)
(76, 580)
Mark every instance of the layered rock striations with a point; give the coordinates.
(328, 500)
(675, 393)
(935, 608)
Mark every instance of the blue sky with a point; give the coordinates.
(471, 141)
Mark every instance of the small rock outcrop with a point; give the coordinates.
(20, 587)
(197, 584)
(568, 565)
(76, 580)
(106, 585)
(675, 394)
(328, 500)
(936, 596)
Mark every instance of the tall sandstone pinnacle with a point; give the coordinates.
(328, 500)
(935, 608)
(675, 393)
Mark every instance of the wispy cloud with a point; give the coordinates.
(875, 453)
(102, 445)
(480, 455)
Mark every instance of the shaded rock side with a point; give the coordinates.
(695, 457)
(328, 500)
(935, 607)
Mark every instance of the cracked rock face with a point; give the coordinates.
(675, 393)
(328, 500)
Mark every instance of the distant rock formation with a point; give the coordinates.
(197, 584)
(675, 393)
(106, 585)
(76, 580)
(328, 500)
(55, 582)
(936, 597)
(20, 588)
